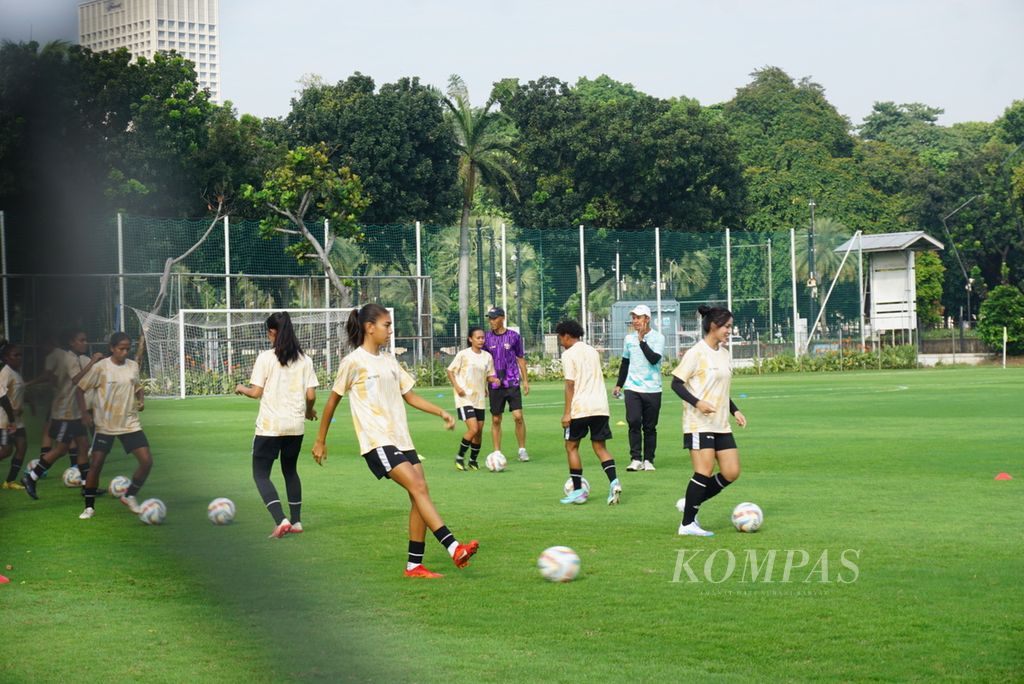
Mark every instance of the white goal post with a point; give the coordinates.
(209, 351)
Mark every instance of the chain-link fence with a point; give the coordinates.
(538, 275)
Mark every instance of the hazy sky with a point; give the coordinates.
(962, 55)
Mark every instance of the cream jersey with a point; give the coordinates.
(116, 411)
(90, 396)
(581, 363)
(66, 367)
(283, 404)
(12, 386)
(707, 373)
(471, 372)
(374, 385)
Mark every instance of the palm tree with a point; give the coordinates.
(828, 234)
(483, 150)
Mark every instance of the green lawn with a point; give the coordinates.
(893, 468)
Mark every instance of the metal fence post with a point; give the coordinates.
(120, 271)
(583, 282)
(792, 275)
(3, 259)
(419, 296)
(728, 269)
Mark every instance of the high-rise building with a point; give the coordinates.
(146, 27)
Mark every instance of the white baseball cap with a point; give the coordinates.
(641, 310)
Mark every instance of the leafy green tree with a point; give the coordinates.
(929, 270)
(484, 152)
(395, 139)
(306, 186)
(1004, 307)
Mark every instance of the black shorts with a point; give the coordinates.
(467, 412)
(133, 440)
(719, 441)
(512, 396)
(66, 430)
(383, 459)
(598, 426)
(9, 438)
(288, 446)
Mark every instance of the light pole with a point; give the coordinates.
(968, 281)
(812, 277)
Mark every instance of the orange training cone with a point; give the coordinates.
(1004, 476)
(4, 580)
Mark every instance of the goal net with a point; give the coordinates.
(209, 351)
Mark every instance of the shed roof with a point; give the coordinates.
(894, 242)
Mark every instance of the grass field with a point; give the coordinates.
(894, 468)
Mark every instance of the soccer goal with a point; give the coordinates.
(209, 351)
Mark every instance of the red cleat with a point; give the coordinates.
(463, 552)
(281, 530)
(420, 571)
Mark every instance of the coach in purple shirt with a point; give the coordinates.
(506, 346)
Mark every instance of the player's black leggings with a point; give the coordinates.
(265, 452)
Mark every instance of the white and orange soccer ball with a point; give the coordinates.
(72, 477)
(747, 517)
(495, 461)
(559, 564)
(567, 487)
(119, 485)
(152, 512)
(221, 511)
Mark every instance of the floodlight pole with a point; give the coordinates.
(968, 281)
(812, 279)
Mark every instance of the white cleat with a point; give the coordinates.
(649, 466)
(681, 507)
(87, 513)
(694, 530)
(132, 503)
(634, 466)
(523, 456)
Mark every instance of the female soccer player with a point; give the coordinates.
(12, 429)
(469, 372)
(66, 426)
(374, 382)
(702, 380)
(118, 400)
(284, 381)
(586, 410)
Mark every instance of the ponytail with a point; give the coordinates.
(286, 345)
(713, 314)
(358, 318)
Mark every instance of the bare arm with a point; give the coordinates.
(458, 390)
(524, 380)
(310, 403)
(570, 391)
(5, 404)
(320, 446)
(418, 402)
(254, 392)
(80, 398)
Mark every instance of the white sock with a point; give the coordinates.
(451, 548)
(412, 566)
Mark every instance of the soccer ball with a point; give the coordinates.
(119, 485)
(747, 517)
(152, 511)
(559, 564)
(495, 461)
(72, 477)
(221, 511)
(567, 488)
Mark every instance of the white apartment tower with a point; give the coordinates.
(146, 27)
